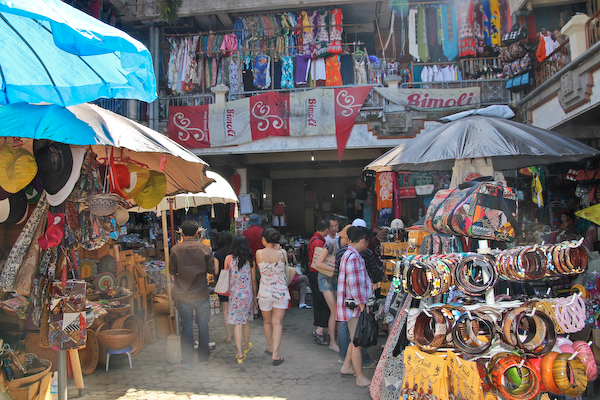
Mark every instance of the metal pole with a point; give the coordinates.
(163, 218)
(172, 218)
(62, 374)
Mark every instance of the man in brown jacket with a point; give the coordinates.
(190, 261)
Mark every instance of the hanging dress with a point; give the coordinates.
(333, 72)
(322, 39)
(360, 72)
(262, 71)
(287, 72)
(466, 41)
(335, 32)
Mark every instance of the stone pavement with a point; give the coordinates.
(310, 371)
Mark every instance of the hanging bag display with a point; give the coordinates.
(406, 191)
(481, 210)
(66, 325)
(424, 185)
(518, 32)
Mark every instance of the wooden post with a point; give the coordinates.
(163, 217)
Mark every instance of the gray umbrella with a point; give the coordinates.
(510, 145)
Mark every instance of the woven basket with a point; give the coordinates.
(102, 204)
(88, 356)
(134, 323)
(117, 338)
(101, 348)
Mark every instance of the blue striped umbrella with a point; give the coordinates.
(52, 52)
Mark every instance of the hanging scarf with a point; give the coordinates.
(413, 48)
(422, 36)
(466, 41)
(495, 23)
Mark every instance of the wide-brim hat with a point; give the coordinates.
(154, 190)
(122, 216)
(59, 167)
(119, 176)
(13, 210)
(17, 168)
(138, 177)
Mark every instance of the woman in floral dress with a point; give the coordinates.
(242, 291)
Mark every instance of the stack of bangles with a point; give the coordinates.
(568, 314)
(527, 263)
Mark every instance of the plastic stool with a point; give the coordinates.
(125, 350)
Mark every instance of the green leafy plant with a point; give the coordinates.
(168, 10)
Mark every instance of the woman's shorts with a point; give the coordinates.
(324, 282)
(269, 304)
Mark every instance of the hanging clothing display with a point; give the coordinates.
(335, 32)
(495, 23)
(322, 38)
(422, 36)
(308, 36)
(261, 68)
(413, 48)
(236, 85)
(347, 69)
(478, 28)
(317, 70)
(287, 72)
(360, 72)
(466, 41)
(302, 68)
(450, 29)
(487, 22)
(384, 189)
(334, 75)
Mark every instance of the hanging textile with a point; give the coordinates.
(318, 70)
(335, 32)
(347, 69)
(287, 72)
(322, 38)
(413, 48)
(262, 71)
(466, 41)
(384, 189)
(478, 34)
(308, 36)
(334, 75)
(450, 28)
(360, 72)
(422, 35)
(487, 22)
(236, 85)
(495, 23)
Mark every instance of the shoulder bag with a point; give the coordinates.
(222, 286)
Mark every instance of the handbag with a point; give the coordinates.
(406, 191)
(290, 273)
(66, 325)
(518, 32)
(329, 261)
(222, 286)
(477, 209)
(424, 185)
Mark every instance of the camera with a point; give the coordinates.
(351, 304)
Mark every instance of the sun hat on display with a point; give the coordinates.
(17, 168)
(397, 224)
(59, 168)
(138, 177)
(255, 219)
(122, 216)
(4, 194)
(13, 210)
(119, 177)
(154, 190)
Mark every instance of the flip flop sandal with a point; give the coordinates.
(240, 360)
(269, 352)
(278, 362)
(250, 345)
(353, 375)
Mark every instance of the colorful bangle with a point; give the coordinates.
(571, 383)
(547, 374)
(585, 354)
(529, 386)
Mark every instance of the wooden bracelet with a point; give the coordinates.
(546, 372)
(468, 342)
(430, 331)
(574, 383)
(528, 388)
(535, 334)
(585, 354)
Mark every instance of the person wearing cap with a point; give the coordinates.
(375, 274)
(254, 233)
(190, 261)
(359, 222)
(380, 236)
(320, 308)
(354, 290)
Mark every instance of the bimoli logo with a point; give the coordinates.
(312, 104)
(424, 101)
(229, 114)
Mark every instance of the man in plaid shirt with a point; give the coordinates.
(354, 289)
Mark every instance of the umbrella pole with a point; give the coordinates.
(172, 218)
(163, 218)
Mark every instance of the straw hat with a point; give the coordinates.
(17, 168)
(59, 167)
(13, 210)
(122, 216)
(154, 190)
(138, 177)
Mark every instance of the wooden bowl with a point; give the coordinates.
(117, 338)
(117, 311)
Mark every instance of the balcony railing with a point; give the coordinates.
(189, 100)
(592, 29)
(560, 57)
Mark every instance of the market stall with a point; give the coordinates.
(72, 229)
(470, 324)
